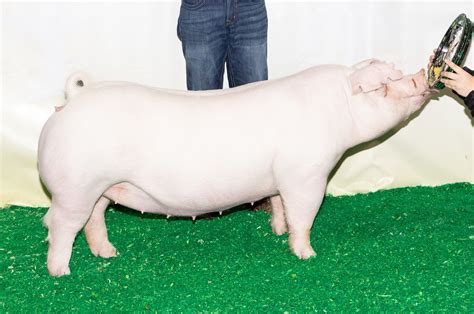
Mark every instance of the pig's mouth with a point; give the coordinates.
(429, 92)
(432, 91)
(419, 98)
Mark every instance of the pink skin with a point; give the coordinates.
(278, 138)
(384, 101)
(411, 87)
(385, 79)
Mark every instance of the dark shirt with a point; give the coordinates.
(469, 99)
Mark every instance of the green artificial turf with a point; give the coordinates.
(398, 250)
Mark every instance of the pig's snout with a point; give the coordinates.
(422, 74)
(420, 84)
(420, 80)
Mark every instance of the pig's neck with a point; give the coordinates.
(373, 116)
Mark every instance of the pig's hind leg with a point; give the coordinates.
(67, 215)
(96, 231)
(278, 220)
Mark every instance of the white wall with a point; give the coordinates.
(42, 43)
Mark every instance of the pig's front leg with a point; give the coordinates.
(278, 220)
(302, 202)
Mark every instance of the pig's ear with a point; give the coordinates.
(394, 74)
(365, 63)
(370, 75)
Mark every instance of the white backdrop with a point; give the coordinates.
(42, 43)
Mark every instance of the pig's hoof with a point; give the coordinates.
(59, 271)
(302, 250)
(105, 250)
(279, 227)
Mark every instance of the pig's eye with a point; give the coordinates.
(414, 83)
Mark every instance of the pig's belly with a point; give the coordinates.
(134, 197)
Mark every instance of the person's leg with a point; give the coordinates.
(201, 29)
(247, 54)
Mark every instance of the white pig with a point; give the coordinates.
(189, 153)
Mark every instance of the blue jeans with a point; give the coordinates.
(215, 33)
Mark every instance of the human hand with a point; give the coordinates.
(431, 59)
(459, 80)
